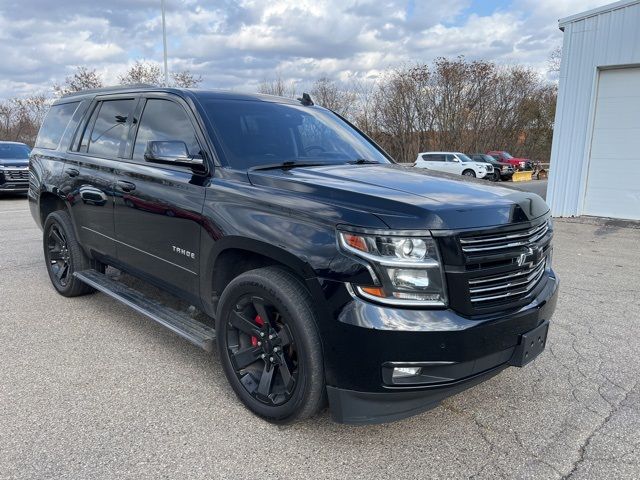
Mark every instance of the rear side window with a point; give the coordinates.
(54, 125)
(433, 158)
(108, 127)
(164, 120)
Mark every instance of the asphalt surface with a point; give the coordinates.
(90, 389)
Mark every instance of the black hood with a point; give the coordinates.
(408, 198)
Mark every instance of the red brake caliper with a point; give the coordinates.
(260, 323)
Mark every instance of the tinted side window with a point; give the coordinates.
(54, 125)
(164, 120)
(433, 158)
(450, 158)
(110, 129)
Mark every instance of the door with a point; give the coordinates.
(158, 208)
(90, 172)
(453, 164)
(613, 182)
(434, 161)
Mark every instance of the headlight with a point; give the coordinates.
(407, 268)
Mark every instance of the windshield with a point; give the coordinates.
(506, 155)
(464, 158)
(14, 151)
(258, 133)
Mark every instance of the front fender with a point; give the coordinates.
(240, 216)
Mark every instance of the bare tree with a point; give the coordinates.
(20, 118)
(149, 73)
(327, 93)
(456, 104)
(186, 79)
(555, 59)
(84, 78)
(142, 73)
(277, 86)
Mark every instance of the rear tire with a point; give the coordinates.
(64, 256)
(469, 173)
(273, 364)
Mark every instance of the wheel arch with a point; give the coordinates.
(49, 203)
(234, 255)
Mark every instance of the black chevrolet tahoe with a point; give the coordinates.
(325, 271)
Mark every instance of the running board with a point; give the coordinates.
(192, 330)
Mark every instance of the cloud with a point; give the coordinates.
(237, 44)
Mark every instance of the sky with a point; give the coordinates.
(238, 44)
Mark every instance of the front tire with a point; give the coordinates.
(64, 256)
(469, 173)
(269, 345)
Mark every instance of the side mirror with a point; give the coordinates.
(171, 152)
(455, 159)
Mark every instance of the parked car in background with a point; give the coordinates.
(14, 167)
(506, 157)
(501, 170)
(453, 162)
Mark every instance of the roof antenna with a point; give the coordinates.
(306, 100)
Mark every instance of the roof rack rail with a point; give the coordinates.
(132, 86)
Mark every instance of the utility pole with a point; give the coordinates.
(164, 42)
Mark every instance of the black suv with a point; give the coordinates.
(501, 170)
(325, 270)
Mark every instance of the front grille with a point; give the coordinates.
(505, 286)
(501, 269)
(16, 175)
(503, 241)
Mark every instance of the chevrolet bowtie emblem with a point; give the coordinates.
(523, 256)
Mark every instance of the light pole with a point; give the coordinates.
(164, 42)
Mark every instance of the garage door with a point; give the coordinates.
(613, 184)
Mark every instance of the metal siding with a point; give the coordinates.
(608, 39)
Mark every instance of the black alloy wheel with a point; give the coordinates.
(270, 346)
(58, 256)
(64, 256)
(262, 351)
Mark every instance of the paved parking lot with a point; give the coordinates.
(90, 389)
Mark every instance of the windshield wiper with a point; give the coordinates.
(363, 161)
(290, 164)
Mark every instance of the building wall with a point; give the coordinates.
(607, 38)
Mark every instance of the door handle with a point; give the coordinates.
(72, 172)
(126, 186)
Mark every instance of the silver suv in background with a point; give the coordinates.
(454, 162)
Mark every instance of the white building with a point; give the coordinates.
(595, 157)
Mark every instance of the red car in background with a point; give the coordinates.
(506, 157)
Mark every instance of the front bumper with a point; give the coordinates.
(455, 353)
(6, 188)
(16, 180)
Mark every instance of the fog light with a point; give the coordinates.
(403, 372)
